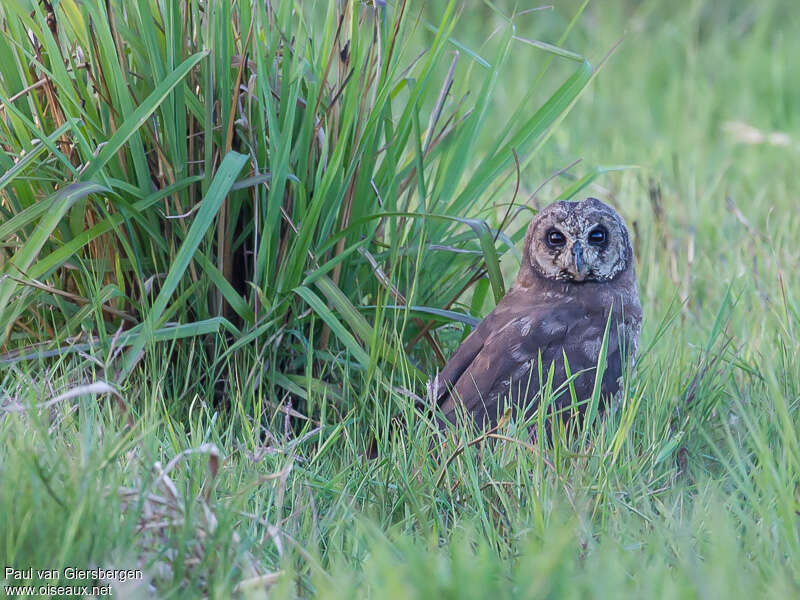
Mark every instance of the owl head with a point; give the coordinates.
(578, 242)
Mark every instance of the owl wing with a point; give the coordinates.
(502, 353)
(472, 346)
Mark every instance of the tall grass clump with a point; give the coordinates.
(298, 183)
(263, 211)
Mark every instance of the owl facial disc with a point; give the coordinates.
(577, 242)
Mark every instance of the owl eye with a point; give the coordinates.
(555, 238)
(598, 236)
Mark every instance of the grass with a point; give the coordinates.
(213, 301)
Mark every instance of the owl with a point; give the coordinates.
(577, 276)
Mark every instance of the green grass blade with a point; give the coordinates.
(26, 160)
(19, 263)
(142, 112)
(345, 337)
(203, 220)
(588, 178)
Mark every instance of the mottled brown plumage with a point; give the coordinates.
(577, 265)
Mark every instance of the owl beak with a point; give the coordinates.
(577, 254)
